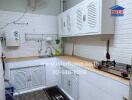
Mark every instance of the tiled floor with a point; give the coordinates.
(37, 95)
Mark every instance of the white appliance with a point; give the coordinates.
(130, 94)
(2, 86)
(12, 38)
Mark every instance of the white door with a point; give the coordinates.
(70, 22)
(64, 24)
(80, 18)
(69, 82)
(52, 77)
(63, 78)
(66, 79)
(60, 24)
(19, 79)
(75, 86)
(37, 76)
(92, 10)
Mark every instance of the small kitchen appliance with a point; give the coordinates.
(120, 69)
(113, 67)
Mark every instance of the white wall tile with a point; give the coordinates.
(38, 24)
(121, 44)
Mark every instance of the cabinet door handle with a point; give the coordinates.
(84, 18)
(69, 83)
(64, 24)
(29, 79)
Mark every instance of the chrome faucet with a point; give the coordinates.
(51, 53)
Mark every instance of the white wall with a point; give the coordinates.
(38, 24)
(49, 7)
(2, 86)
(70, 3)
(121, 44)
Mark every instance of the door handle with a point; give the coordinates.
(84, 18)
(29, 78)
(69, 83)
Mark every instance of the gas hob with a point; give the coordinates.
(120, 69)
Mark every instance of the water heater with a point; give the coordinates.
(12, 38)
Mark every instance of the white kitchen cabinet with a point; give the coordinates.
(90, 85)
(60, 24)
(85, 85)
(66, 80)
(64, 33)
(90, 17)
(28, 78)
(19, 79)
(99, 87)
(75, 86)
(67, 23)
(52, 75)
(69, 83)
(91, 92)
(79, 11)
(37, 76)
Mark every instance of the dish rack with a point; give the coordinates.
(40, 37)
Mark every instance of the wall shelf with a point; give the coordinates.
(39, 37)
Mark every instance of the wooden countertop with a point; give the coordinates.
(89, 65)
(83, 62)
(21, 59)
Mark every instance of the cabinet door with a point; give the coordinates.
(64, 25)
(80, 18)
(92, 10)
(100, 88)
(68, 22)
(52, 75)
(60, 24)
(37, 76)
(19, 79)
(66, 79)
(75, 86)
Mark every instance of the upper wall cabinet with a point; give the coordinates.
(66, 23)
(90, 17)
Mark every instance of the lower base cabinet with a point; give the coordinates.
(75, 86)
(69, 82)
(28, 78)
(52, 75)
(93, 86)
(86, 85)
(91, 92)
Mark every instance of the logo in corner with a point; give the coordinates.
(117, 10)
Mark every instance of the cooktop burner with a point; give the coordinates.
(116, 68)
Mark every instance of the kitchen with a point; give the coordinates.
(65, 50)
